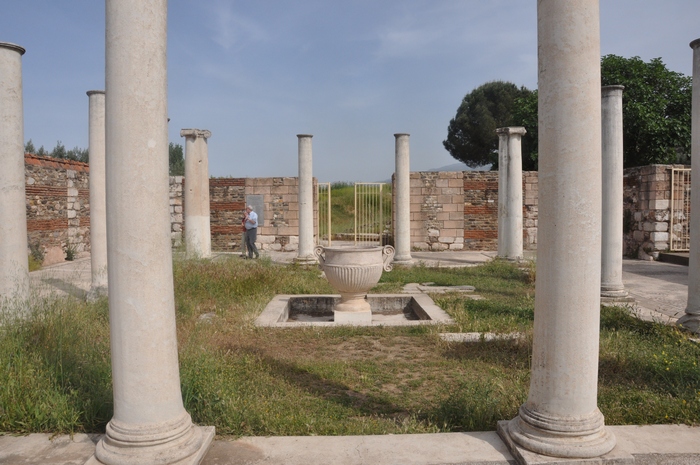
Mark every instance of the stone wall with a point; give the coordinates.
(437, 211)
(58, 210)
(647, 210)
(530, 209)
(480, 210)
(280, 230)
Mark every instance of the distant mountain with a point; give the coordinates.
(461, 167)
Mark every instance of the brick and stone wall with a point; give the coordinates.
(280, 230)
(647, 210)
(437, 210)
(58, 210)
(530, 209)
(480, 210)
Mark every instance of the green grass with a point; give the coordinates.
(343, 206)
(245, 380)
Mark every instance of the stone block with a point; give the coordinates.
(421, 245)
(438, 246)
(72, 192)
(659, 204)
(291, 247)
(658, 237)
(266, 239)
(293, 239)
(458, 182)
(638, 216)
(661, 215)
(71, 213)
(276, 246)
(446, 239)
(433, 233)
(442, 183)
(177, 209)
(638, 236)
(444, 216)
(457, 246)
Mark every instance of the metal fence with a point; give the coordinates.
(372, 213)
(680, 210)
(323, 225)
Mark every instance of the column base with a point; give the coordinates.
(95, 293)
(524, 456)
(306, 260)
(127, 445)
(570, 438)
(690, 322)
(408, 260)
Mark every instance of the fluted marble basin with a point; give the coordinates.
(353, 271)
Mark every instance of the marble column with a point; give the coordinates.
(150, 424)
(691, 319)
(402, 231)
(98, 202)
(611, 286)
(197, 222)
(510, 192)
(14, 268)
(306, 201)
(560, 417)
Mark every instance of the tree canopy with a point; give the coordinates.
(471, 134)
(177, 160)
(656, 108)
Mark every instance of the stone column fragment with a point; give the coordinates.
(691, 319)
(150, 424)
(98, 202)
(560, 417)
(14, 269)
(197, 220)
(306, 201)
(510, 192)
(402, 234)
(611, 286)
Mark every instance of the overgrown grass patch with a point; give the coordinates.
(245, 380)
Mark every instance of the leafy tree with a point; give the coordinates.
(29, 147)
(656, 109)
(42, 152)
(76, 153)
(525, 114)
(471, 134)
(177, 160)
(59, 151)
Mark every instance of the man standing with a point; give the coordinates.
(251, 231)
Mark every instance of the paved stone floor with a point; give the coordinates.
(660, 293)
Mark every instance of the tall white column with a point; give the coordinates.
(98, 201)
(306, 201)
(611, 286)
(561, 416)
(510, 192)
(150, 424)
(14, 269)
(402, 234)
(197, 222)
(691, 319)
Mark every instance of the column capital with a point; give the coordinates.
(399, 134)
(511, 130)
(204, 133)
(12, 46)
(301, 136)
(608, 91)
(695, 44)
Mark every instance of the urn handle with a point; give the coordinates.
(319, 252)
(388, 256)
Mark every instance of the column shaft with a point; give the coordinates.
(510, 193)
(306, 201)
(14, 269)
(561, 417)
(611, 221)
(150, 424)
(98, 202)
(197, 218)
(402, 235)
(691, 319)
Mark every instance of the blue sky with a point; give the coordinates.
(352, 73)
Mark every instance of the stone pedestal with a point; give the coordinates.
(691, 319)
(306, 201)
(611, 287)
(402, 231)
(98, 202)
(510, 193)
(561, 417)
(197, 222)
(14, 269)
(150, 424)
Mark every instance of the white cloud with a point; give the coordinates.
(231, 29)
